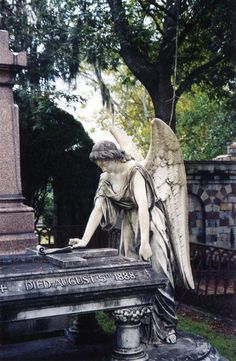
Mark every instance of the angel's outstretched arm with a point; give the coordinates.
(143, 215)
(93, 222)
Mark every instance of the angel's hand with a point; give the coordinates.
(77, 243)
(145, 251)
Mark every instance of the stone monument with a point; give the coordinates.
(16, 219)
(37, 287)
(152, 195)
(34, 286)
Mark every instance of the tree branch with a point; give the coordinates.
(192, 23)
(167, 47)
(162, 9)
(140, 65)
(196, 74)
(149, 13)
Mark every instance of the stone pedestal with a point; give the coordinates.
(128, 343)
(16, 219)
(33, 288)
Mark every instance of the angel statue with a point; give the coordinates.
(152, 194)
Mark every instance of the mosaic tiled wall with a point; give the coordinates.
(212, 202)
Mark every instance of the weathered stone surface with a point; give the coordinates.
(34, 288)
(212, 195)
(6, 56)
(75, 258)
(38, 289)
(16, 219)
(16, 243)
(188, 348)
(226, 206)
(70, 260)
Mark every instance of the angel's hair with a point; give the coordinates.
(106, 150)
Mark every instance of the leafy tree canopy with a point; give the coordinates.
(205, 125)
(168, 45)
(54, 146)
(59, 35)
(206, 122)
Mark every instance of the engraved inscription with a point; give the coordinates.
(123, 276)
(77, 280)
(59, 282)
(3, 288)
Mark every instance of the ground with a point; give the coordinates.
(226, 326)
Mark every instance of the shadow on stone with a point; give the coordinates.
(188, 348)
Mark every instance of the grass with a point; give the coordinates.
(106, 322)
(225, 344)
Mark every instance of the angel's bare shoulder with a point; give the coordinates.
(104, 176)
(129, 166)
(131, 163)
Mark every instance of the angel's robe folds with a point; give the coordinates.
(164, 318)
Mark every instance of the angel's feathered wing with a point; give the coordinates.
(164, 162)
(125, 142)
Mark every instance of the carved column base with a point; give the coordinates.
(128, 346)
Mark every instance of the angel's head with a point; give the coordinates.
(106, 152)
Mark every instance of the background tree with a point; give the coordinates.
(52, 141)
(205, 125)
(54, 157)
(167, 45)
(154, 38)
(206, 121)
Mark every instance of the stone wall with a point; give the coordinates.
(212, 202)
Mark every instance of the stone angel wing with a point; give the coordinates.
(126, 143)
(164, 162)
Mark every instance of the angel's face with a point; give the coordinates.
(108, 165)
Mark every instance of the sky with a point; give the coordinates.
(85, 113)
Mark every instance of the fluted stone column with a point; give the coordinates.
(16, 219)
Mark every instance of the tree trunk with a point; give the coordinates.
(155, 76)
(161, 93)
(164, 107)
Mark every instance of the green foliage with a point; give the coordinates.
(47, 31)
(54, 149)
(106, 322)
(144, 34)
(48, 208)
(205, 125)
(133, 107)
(60, 35)
(208, 30)
(225, 344)
(54, 146)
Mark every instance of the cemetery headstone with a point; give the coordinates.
(16, 219)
